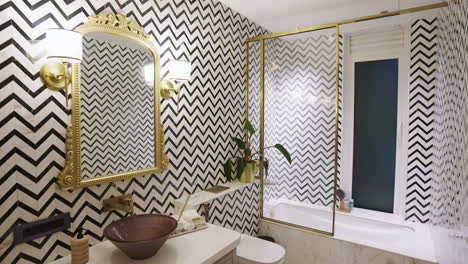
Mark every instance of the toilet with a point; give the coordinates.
(252, 250)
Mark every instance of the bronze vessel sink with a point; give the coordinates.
(140, 236)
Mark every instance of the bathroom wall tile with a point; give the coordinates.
(424, 47)
(63, 248)
(10, 216)
(43, 248)
(450, 181)
(212, 102)
(10, 254)
(35, 202)
(237, 210)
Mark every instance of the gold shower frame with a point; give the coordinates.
(261, 40)
(70, 177)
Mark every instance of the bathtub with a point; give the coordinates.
(364, 227)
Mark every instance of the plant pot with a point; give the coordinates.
(248, 175)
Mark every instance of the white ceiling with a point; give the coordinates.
(281, 15)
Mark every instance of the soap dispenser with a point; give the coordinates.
(80, 248)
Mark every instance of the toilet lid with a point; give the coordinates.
(259, 251)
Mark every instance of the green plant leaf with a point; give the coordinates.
(228, 169)
(241, 163)
(284, 152)
(266, 165)
(248, 126)
(240, 143)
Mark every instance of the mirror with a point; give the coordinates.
(117, 107)
(116, 132)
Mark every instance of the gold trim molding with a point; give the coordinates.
(120, 21)
(348, 21)
(65, 177)
(70, 177)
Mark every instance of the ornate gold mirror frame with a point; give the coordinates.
(118, 25)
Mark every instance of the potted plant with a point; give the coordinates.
(246, 163)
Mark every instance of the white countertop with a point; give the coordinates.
(205, 246)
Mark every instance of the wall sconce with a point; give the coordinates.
(179, 73)
(64, 47)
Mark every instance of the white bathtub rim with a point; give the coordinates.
(359, 212)
(424, 251)
(344, 240)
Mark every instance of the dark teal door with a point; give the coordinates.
(375, 126)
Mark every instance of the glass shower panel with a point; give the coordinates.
(300, 113)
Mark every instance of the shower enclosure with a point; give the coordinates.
(294, 95)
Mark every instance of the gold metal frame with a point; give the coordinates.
(119, 25)
(261, 40)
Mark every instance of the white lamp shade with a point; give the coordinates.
(64, 44)
(179, 70)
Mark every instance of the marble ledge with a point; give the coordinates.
(201, 197)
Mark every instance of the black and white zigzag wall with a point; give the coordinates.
(449, 208)
(449, 186)
(117, 110)
(33, 119)
(421, 118)
(237, 210)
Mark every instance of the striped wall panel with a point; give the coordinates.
(33, 119)
(421, 118)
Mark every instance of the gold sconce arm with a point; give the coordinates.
(179, 73)
(64, 47)
(57, 76)
(169, 88)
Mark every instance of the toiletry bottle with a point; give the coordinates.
(80, 248)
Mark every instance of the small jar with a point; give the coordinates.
(351, 204)
(344, 205)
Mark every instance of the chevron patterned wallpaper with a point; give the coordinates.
(450, 179)
(421, 118)
(237, 210)
(449, 193)
(254, 92)
(33, 119)
(117, 109)
(300, 113)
